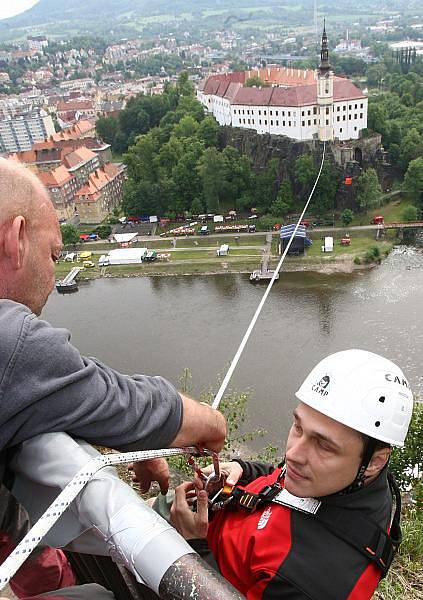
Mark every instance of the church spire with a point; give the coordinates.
(324, 65)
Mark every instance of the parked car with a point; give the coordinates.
(204, 230)
(88, 264)
(377, 220)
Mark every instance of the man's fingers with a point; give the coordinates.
(202, 507)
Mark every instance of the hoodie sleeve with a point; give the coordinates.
(46, 385)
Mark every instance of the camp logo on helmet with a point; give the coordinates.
(321, 386)
(395, 379)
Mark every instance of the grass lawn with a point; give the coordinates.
(359, 245)
(392, 212)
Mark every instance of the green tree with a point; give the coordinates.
(304, 170)
(103, 231)
(70, 234)
(413, 180)
(411, 147)
(187, 127)
(347, 217)
(410, 213)
(255, 81)
(208, 131)
(211, 168)
(368, 190)
(107, 128)
(197, 207)
(265, 186)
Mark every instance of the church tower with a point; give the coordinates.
(325, 92)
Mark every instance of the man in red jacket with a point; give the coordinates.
(317, 526)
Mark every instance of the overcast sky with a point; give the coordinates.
(9, 9)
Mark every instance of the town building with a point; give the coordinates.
(102, 193)
(300, 104)
(21, 132)
(37, 42)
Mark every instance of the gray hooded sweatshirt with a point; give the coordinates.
(46, 385)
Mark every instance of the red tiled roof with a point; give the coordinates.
(303, 95)
(79, 156)
(55, 178)
(75, 105)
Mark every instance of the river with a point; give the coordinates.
(162, 325)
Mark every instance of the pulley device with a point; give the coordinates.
(57, 508)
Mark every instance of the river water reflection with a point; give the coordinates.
(162, 325)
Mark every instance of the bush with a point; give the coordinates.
(357, 260)
(347, 217)
(103, 231)
(410, 213)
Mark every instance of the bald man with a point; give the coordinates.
(45, 384)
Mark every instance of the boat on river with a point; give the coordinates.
(259, 275)
(68, 284)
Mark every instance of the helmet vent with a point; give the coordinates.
(377, 424)
(382, 399)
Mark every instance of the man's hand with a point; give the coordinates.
(231, 470)
(191, 525)
(201, 426)
(146, 471)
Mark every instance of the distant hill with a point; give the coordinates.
(122, 18)
(56, 17)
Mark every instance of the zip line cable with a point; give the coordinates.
(85, 474)
(253, 321)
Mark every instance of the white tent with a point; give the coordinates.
(124, 238)
(126, 256)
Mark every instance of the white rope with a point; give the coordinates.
(253, 321)
(67, 495)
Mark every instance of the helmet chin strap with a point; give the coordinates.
(360, 478)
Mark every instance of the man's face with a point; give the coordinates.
(322, 455)
(45, 243)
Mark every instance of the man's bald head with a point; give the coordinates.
(30, 237)
(22, 194)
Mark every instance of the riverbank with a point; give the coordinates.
(242, 260)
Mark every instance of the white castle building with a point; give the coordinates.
(301, 104)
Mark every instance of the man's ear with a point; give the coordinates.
(15, 242)
(377, 462)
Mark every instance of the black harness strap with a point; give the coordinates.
(364, 535)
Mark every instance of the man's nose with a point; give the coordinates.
(297, 451)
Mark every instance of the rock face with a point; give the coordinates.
(349, 158)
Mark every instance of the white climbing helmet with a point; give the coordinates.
(362, 390)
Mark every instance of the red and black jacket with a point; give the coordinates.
(278, 553)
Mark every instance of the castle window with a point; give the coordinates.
(243, 121)
(270, 113)
(327, 121)
(265, 121)
(309, 122)
(338, 118)
(338, 108)
(355, 106)
(361, 105)
(289, 123)
(259, 121)
(302, 113)
(327, 111)
(289, 113)
(259, 112)
(283, 123)
(361, 115)
(271, 122)
(315, 121)
(349, 117)
(248, 120)
(303, 123)
(344, 118)
(277, 123)
(344, 107)
(355, 128)
(340, 130)
(315, 110)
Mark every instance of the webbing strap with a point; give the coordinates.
(358, 531)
